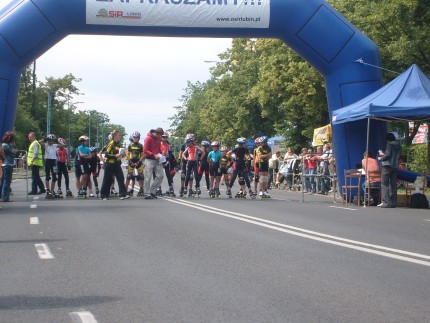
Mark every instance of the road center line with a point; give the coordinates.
(82, 317)
(34, 220)
(43, 251)
(321, 237)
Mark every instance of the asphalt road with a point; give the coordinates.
(206, 260)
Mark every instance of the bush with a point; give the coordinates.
(417, 158)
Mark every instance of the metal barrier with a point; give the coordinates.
(20, 170)
(298, 178)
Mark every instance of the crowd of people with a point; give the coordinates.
(310, 171)
(149, 162)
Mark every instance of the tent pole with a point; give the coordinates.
(367, 164)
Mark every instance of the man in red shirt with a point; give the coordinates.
(153, 162)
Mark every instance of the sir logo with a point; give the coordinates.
(116, 14)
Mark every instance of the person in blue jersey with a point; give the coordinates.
(213, 159)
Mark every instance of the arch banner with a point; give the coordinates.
(180, 13)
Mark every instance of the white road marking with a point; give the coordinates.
(426, 220)
(313, 235)
(33, 206)
(34, 220)
(343, 208)
(82, 317)
(44, 251)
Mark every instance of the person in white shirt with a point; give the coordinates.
(50, 164)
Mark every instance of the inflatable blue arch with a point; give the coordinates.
(312, 28)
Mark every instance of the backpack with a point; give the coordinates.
(419, 201)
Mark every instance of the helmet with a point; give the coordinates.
(62, 141)
(263, 139)
(83, 138)
(215, 143)
(51, 137)
(257, 140)
(205, 143)
(241, 140)
(223, 148)
(189, 137)
(93, 149)
(165, 135)
(135, 134)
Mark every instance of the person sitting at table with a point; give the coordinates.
(371, 166)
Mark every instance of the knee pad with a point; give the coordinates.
(47, 177)
(191, 177)
(140, 177)
(182, 176)
(257, 178)
(264, 179)
(130, 176)
(241, 181)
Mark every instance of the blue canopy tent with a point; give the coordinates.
(406, 98)
(275, 143)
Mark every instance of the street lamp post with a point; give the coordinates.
(68, 122)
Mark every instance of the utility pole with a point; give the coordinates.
(48, 117)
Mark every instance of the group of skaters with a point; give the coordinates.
(57, 164)
(221, 165)
(149, 163)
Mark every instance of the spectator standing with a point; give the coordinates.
(153, 166)
(305, 170)
(273, 168)
(312, 170)
(35, 161)
(9, 162)
(289, 160)
(390, 164)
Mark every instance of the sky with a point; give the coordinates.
(136, 81)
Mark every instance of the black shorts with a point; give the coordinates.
(214, 169)
(85, 167)
(263, 167)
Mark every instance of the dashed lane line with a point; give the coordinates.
(82, 317)
(34, 220)
(43, 251)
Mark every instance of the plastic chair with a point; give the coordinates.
(352, 183)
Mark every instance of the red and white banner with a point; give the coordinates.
(421, 136)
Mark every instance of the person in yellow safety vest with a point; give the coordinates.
(35, 161)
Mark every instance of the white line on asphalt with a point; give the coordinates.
(426, 220)
(33, 206)
(313, 235)
(343, 208)
(82, 317)
(44, 251)
(34, 220)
